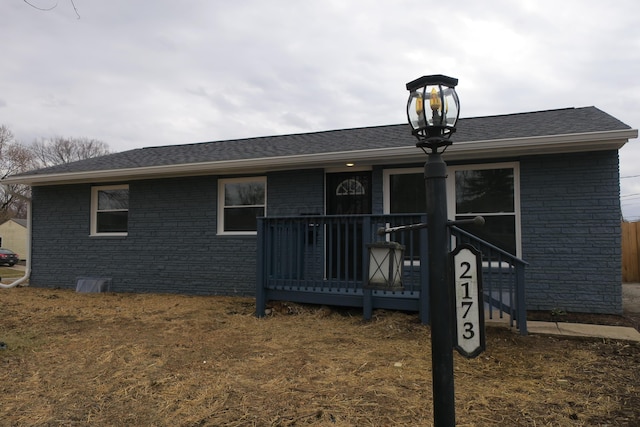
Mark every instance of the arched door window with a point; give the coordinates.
(349, 193)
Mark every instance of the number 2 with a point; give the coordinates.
(467, 267)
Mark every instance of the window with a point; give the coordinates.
(406, 194)
(110, 210)
(241, 201)
(406, 191)
(351, 187)
(491, 191)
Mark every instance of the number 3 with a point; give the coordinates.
(468, 331)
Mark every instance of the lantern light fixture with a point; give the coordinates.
(386, 260)
(433, 109)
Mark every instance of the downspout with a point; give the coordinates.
(27, 270)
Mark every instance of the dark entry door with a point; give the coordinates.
(347, 193)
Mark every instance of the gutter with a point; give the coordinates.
(27, 271)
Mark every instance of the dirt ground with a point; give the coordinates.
(167, 360)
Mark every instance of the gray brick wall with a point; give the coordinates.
(171, 246)
(377, 201)
(571, 232)
(295, 193)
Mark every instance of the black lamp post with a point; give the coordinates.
(432, 111)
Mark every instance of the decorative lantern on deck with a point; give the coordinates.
(386, 260)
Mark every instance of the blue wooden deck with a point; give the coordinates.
(323, 260)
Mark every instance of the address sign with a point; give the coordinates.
(469, 305)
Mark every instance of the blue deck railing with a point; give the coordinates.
(324, 260)
(503, 280)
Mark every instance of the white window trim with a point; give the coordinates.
(94, 208)
(386, 199)
(221, 183)
(451, 187)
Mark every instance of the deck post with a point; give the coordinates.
(367, 304)
(521, 302)
(261, 291)
(367, 294)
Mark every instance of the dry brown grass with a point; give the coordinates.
(169, 360)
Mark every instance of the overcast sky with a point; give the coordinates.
(146, 73)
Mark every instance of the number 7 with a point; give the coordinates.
(468, 304)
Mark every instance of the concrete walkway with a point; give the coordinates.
(583, 330)
(630, 304)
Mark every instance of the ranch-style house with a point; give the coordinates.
(289, 216)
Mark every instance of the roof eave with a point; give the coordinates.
(466, 150)
(556, 144)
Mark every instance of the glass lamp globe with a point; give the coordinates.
(433, 107)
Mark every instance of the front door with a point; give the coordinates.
(347, 193)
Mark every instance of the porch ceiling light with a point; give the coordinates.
(433, 107)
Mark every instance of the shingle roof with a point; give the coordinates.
(540, 123)
(19, 221)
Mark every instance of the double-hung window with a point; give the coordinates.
(110, 210)
(490, 191)
(240, 202)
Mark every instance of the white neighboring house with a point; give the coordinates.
(13, 235)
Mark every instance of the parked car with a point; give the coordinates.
(7, 256)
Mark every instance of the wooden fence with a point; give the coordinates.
(631, 252)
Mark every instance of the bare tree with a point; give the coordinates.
(59, 150)
(53, 7)
(14, 158)
(17, 158)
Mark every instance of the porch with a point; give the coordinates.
(320, 259)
